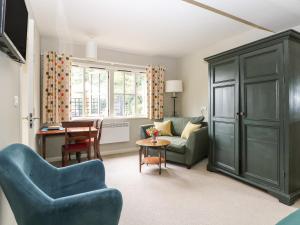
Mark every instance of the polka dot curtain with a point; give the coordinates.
(56, 88)
(156, 83)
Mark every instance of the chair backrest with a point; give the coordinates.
(99, 124)
(22, 178)
(71, 136)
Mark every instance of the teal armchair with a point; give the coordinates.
(292, 219)
(187, 152)
(41, 194)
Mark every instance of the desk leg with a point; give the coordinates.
(44, 146)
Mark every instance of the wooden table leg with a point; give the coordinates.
(159, 162)
(146, 153)
(140, 159)
(44, 146)
(165, 157)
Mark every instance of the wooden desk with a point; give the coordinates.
(42, 135)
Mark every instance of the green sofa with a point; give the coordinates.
(187, 152)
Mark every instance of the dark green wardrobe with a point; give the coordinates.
(254, 124)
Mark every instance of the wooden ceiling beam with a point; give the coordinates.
(222, 13)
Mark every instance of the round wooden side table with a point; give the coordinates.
(159, 146)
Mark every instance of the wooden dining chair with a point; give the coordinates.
(97, 153)
(71, 145)
(96, 140)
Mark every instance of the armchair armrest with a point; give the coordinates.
(143, 129)
(90, 169)
(197, 146)
(92, 208)
(83, 177)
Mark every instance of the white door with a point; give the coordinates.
(30, 88)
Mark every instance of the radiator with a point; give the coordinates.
(114, 132)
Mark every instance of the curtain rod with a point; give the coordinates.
(107, 62)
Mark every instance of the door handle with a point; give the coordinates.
(30, 119)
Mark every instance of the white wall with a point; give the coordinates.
(10, 132)
(194, 71)
(78, 50)
(9, 120)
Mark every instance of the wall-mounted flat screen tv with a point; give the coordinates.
(13, 29)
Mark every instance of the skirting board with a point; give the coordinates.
(103, 153)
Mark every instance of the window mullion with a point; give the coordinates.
(124, 92)
(91, 94)
(99, 95)
(84, 94)
(111, 92)
(135, 95)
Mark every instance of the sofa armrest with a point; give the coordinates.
(197, 146)
(143, 129)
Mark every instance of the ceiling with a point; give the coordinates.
(157, 27)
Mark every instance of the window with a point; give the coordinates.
(89, 92)
(130, 94)
(108, 92)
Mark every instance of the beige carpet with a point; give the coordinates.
(188, 197)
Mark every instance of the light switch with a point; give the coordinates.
(16, 101)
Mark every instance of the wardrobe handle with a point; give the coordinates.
(243, 114)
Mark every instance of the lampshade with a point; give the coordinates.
(174, 86)
(91, 50)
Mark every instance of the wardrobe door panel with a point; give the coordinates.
(261, 89)
(224, 101)
(225, 71)
(224, 106)
(261, 100)
(262, 154)
(263, 62)
(225, 149)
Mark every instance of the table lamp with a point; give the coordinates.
(174, 86)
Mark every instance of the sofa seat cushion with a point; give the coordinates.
(177, 144)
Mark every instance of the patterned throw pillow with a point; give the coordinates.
(164, 128)
(189, 128)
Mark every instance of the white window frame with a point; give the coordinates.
(135, 94)
(111, 69)
(84, 66)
